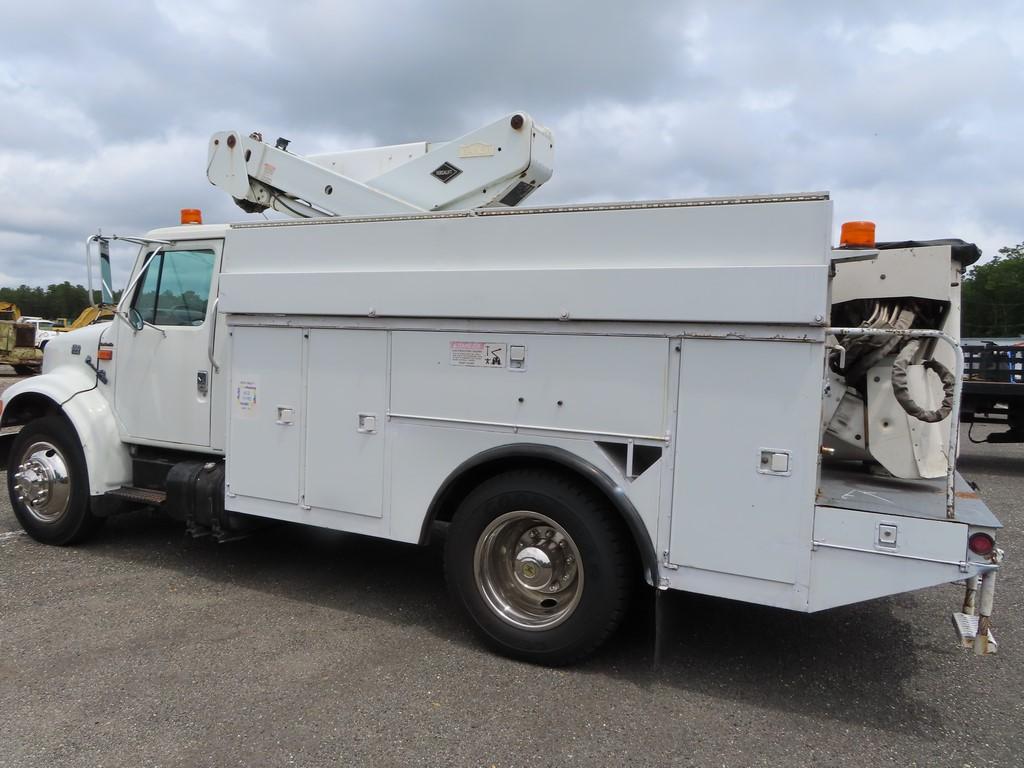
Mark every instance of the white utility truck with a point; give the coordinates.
(702, 394)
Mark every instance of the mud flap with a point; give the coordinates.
(6, 443)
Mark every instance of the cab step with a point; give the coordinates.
(137, 495)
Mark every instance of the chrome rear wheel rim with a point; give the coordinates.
(528, 570)
(42, 483)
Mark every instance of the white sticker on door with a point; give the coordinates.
(478, 354)
(246, 397)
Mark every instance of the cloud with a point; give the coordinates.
(908, 113)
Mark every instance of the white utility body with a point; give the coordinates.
(704, 392)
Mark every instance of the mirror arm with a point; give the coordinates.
(88, 266)
(126, 297)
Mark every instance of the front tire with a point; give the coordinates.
(48, 483)
(541, 564)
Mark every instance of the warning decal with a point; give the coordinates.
(245, 397)
(478, 354)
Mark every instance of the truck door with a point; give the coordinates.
(164, 381)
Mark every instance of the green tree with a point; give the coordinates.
(58, 300)
(993, 296)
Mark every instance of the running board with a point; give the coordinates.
(145, 496)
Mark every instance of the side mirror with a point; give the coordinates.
(135, 319)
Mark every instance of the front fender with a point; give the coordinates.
(74, 391)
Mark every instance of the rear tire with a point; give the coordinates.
(540, 562)
(25, 370)
(48, 482)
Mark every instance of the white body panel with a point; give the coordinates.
(564, 384)
(363, 361)
(936, 545)
(347, 411)
(267, 411)
(697, 263)
(764, 515)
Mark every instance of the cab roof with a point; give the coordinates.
(189, 232)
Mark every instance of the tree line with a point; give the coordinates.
(993, 296)
(57, 300)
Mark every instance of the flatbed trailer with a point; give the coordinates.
(993, 390)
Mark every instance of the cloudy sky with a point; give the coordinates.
(910, 113)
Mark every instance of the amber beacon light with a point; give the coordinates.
(195, 216)
(857, 234)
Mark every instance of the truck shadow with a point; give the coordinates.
(1003, 465)
(848, 664)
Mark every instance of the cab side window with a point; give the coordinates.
(176, 288)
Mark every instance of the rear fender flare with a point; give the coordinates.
(495, 460)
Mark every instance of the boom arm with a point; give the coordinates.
(497, 165)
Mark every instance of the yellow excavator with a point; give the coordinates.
(9, 311)
(98, 313)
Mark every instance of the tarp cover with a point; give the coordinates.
(965, 253)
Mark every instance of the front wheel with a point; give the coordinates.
(48, 482)
(541, 564)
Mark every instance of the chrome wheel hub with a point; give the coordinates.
(41, 482)
(528, 570)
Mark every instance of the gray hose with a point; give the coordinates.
(880, 346)
(901, 387)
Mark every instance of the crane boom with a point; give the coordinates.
(497, 165)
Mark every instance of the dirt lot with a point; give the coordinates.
(145, 647)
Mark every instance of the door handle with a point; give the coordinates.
(285, 416)
(203, 382)
(213, 336)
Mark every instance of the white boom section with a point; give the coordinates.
(497, 165)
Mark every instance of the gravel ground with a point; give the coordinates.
(145, 647)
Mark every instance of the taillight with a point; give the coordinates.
(981, 543)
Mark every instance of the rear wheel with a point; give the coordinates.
(541, 564)
(25, 370)
(48, 482)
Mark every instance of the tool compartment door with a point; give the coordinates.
(741, 402)
(266, 399)
(347, 412)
